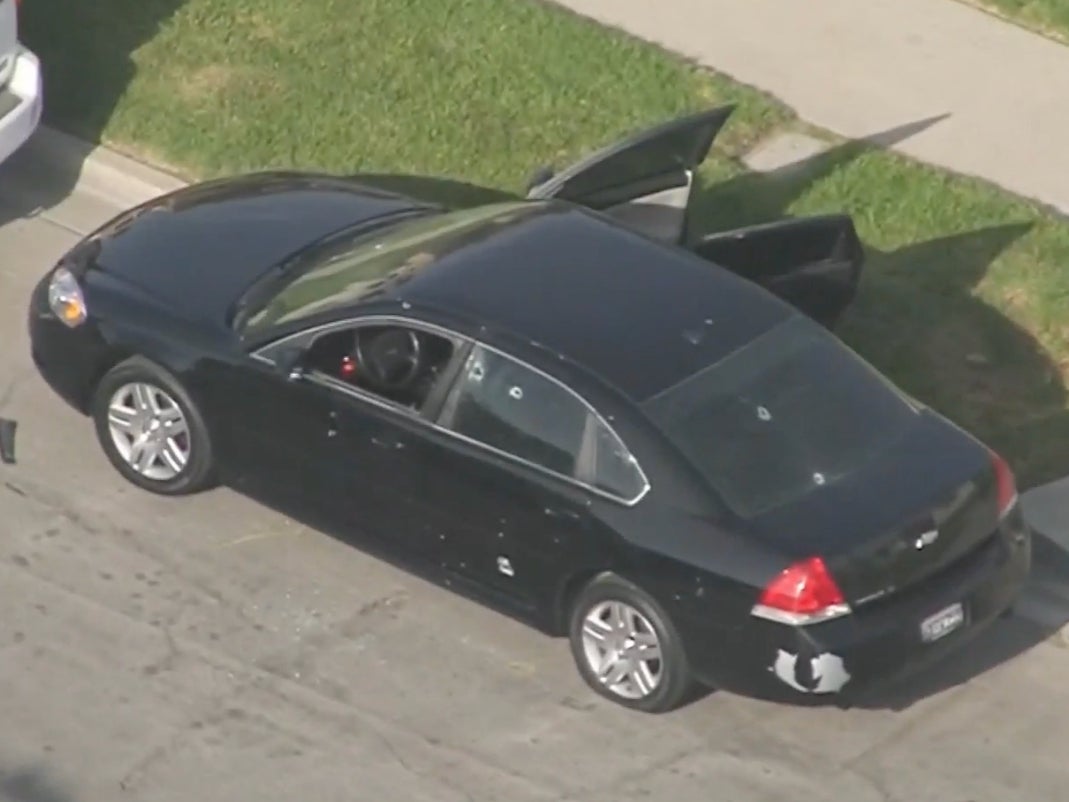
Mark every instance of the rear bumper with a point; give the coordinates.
(20, 104)
(880, 643)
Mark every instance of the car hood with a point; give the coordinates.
(195, 250)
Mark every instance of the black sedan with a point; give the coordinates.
(562, 404)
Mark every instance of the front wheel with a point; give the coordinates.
(151, 430)
(626, 647)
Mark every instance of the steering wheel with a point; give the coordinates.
(390, 359)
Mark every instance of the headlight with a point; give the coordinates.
(65, 298)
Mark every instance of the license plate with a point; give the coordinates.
(942, 623)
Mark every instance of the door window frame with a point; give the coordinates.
(304, 338)
(585, 459)
(433, 414)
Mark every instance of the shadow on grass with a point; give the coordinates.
(753, 197)
(917, 317)
(86, 51)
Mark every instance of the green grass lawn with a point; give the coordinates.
(965, 302)
(1050, 17)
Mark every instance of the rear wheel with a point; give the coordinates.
(151, 430)
(626, 647)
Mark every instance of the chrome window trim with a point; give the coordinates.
(262, 354)
(590, 411)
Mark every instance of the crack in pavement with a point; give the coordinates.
(53, 502)
(353, 720)
(155, 754)
(637, 773)
(123, 537)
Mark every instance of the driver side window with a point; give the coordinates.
(397, 363)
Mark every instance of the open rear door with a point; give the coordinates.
(644, 181)
(813, 263)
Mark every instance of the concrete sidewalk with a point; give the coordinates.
(857, 67)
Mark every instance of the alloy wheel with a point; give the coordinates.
(149, 431)
(622, 649)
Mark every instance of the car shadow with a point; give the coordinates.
(30, 784)
(86, 53)
(291, 503)
(1038, 616)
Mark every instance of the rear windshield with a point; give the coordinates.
(790, 412)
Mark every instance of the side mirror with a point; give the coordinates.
(289, 361)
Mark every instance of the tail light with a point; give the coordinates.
(803, 593)
(1006, 485)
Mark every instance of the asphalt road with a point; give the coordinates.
(210, 649)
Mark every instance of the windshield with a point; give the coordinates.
(790, 412)
(347, 268)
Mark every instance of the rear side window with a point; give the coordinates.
(615, 470)
(505, 405)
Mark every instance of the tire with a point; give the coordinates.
(179, 428)
(673, 679)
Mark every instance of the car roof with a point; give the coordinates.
(640, 314)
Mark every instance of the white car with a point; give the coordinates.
(20, 84)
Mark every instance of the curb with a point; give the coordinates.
(99, 169)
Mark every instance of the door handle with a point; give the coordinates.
(565, 513)
(387, 442)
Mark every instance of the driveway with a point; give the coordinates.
(211, 649)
